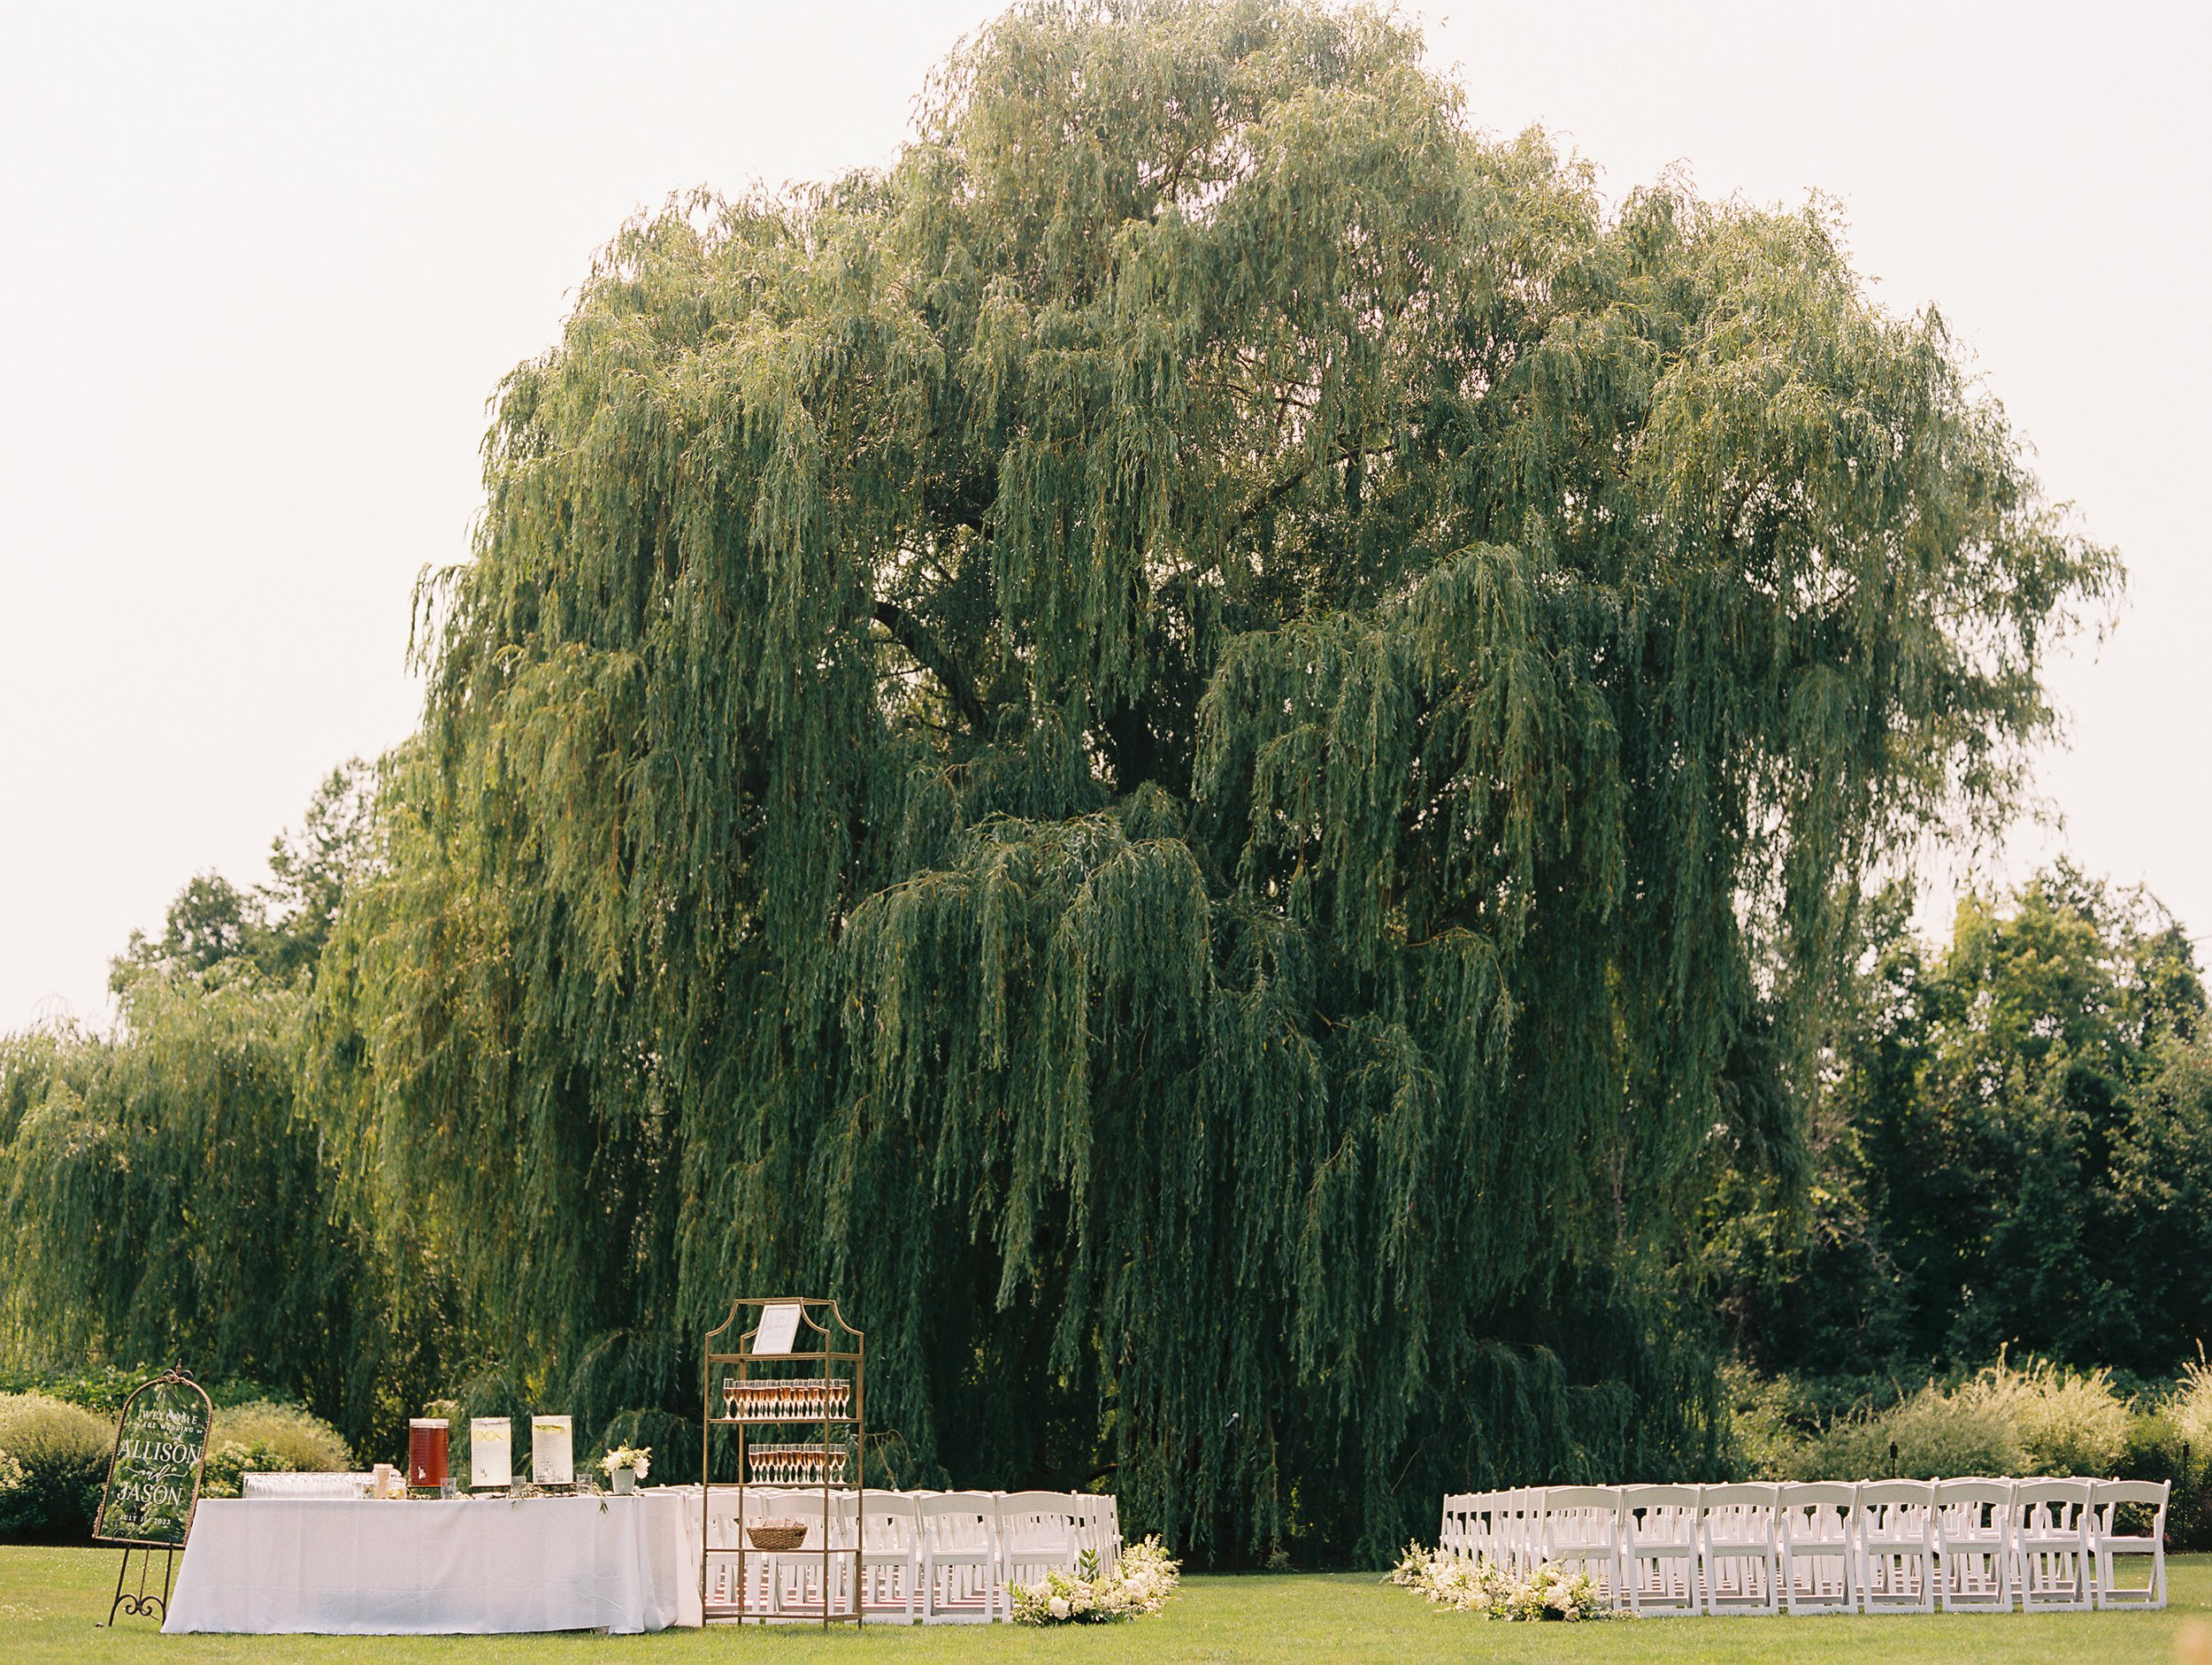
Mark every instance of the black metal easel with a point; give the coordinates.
(142, 1602)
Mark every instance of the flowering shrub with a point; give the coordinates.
(55, 1463)
(1139, 1583)
(1491, 1592)
(297, 1439)
(222, 1476)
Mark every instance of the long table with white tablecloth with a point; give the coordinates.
(463, 1566)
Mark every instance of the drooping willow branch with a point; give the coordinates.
(910, 633)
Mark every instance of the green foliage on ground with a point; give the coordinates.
(50, 1599)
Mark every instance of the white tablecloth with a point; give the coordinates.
(470, 1566)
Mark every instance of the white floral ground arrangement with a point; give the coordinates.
(1137, 1584)
(1490, 1591)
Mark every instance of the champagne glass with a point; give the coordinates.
(729, 1396)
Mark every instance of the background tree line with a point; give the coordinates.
(1217, 747)
(2012, 1148)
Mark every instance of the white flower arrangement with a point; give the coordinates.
(635, 1457)
(1491, 1592)
(1137, 1584)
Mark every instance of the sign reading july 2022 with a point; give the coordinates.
(154, 1477)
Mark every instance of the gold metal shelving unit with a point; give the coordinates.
(821, 1338)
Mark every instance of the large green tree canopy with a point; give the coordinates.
(1186, 746)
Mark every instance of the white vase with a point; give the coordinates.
(624, 1482)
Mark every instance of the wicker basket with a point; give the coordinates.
(777, 1534)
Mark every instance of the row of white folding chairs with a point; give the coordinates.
(931, 1557)
(1834, 1547)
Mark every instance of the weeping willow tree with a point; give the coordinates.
(1204, 746)
(164, 1195)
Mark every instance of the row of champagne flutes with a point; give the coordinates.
(797, 1465)
(787, 1399)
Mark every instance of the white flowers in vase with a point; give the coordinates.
(626, 1465)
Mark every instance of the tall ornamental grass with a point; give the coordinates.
(53, 1462)
(294, 1437)
(2034, 1417)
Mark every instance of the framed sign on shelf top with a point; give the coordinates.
(778, 1331)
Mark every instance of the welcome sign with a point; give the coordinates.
(154, 1477)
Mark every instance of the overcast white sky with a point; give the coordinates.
(264, 265)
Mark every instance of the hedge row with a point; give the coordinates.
(53, 1458)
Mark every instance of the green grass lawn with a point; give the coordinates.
(51, 1601)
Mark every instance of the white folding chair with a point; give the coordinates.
(1659, 1549)
(1820, 1570)
(722, 1527)
(1036, 1535)
(890, 1556)
(2107, 1498)
(1579, 1529)
(802, 1583)
(1089, 1518)
(1522, 1540)
(1455, 1534)
(1739, 1548)
(1480, 1523)
(2052, 1563)
(1894, 1540)
(1974, 1546)
(959, 1533)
